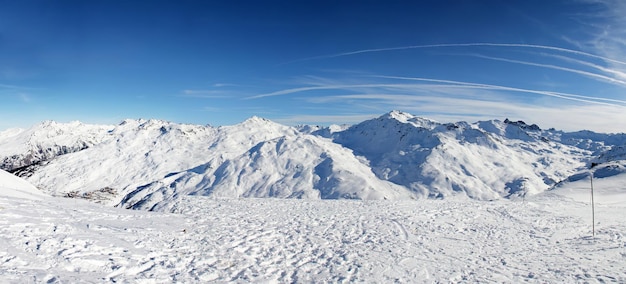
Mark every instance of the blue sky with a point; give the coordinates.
(556, 63)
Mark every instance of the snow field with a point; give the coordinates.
(545, 238)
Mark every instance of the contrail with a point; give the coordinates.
(326, 87)
(535, 46)
(576, 71)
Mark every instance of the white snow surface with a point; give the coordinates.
(544, 238)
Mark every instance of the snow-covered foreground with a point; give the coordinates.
(544, 238)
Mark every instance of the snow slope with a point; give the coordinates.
(544, 238)
(14, 187)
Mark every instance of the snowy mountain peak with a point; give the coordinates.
(408, 118)
(400, 116)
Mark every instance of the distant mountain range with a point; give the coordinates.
(148, 164)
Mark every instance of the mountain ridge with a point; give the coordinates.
(146, 164)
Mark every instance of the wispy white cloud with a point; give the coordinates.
(607, 30)
(444, 84)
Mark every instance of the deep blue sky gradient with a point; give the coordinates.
(219, 62)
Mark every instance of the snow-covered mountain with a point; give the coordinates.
(485, 160)
(150, 164)
(291, 166)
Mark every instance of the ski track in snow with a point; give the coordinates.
(544, 238)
